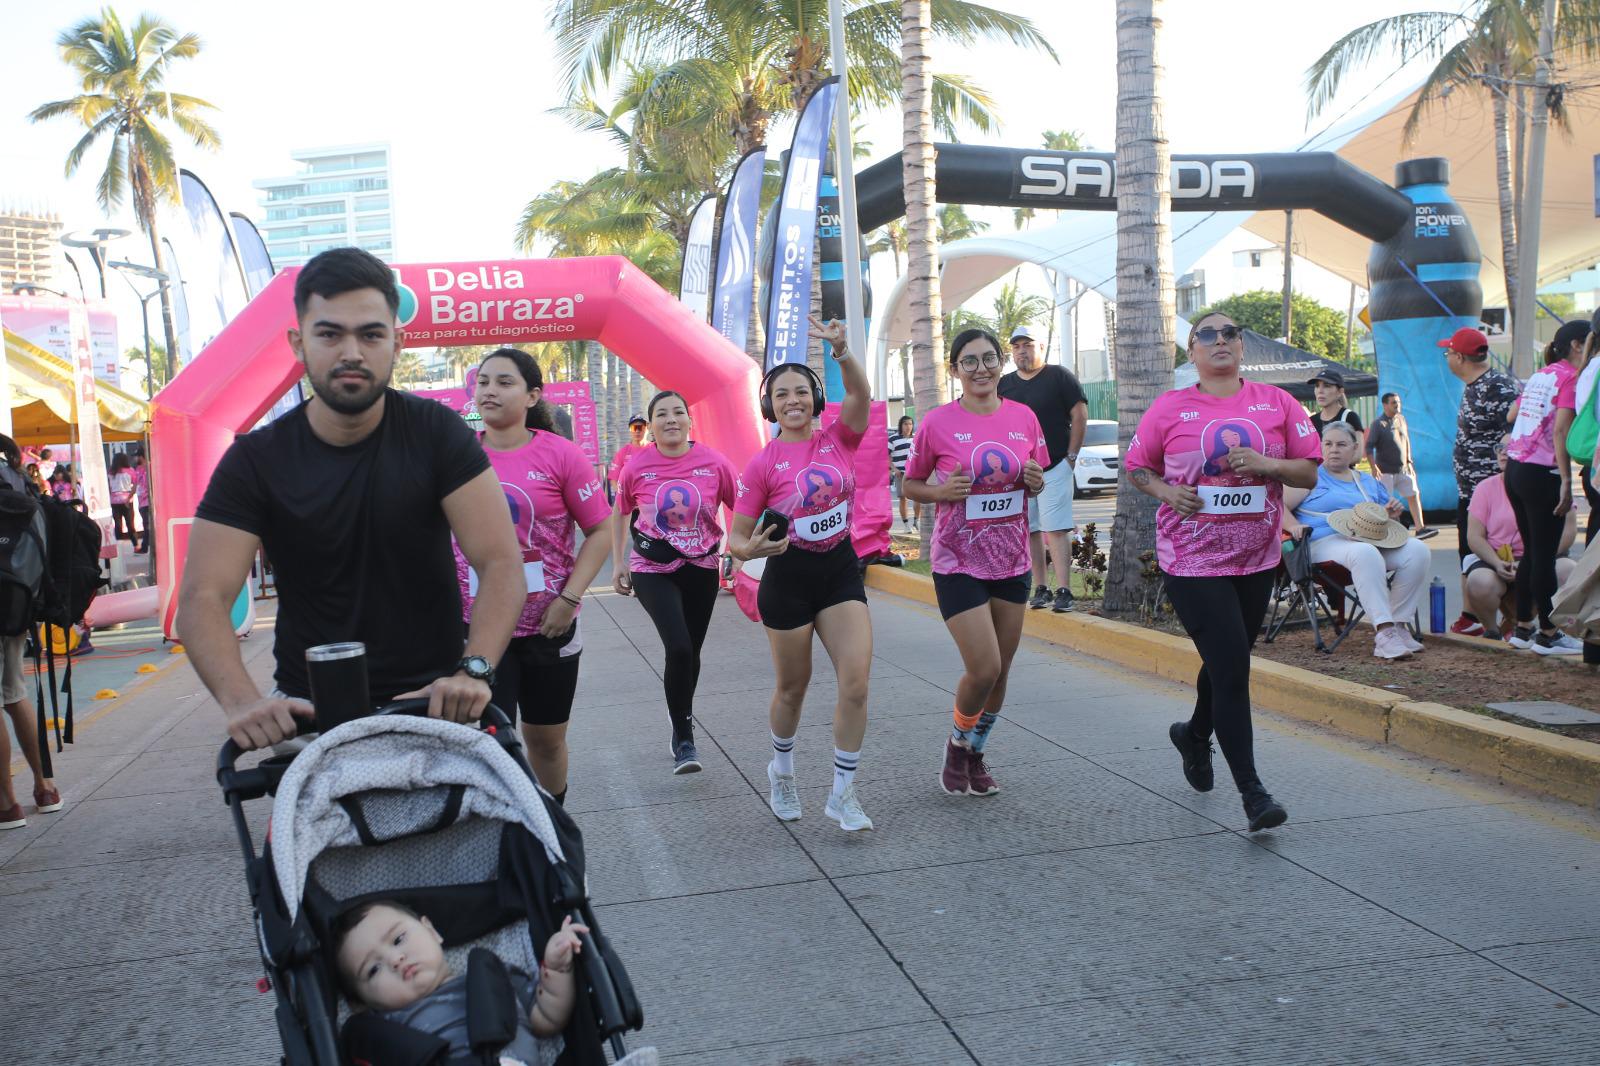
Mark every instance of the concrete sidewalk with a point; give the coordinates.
(1096, 911)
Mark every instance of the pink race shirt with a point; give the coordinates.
(1533, 435)
(1184, 439)
(551, 489)
(623, 457)
(985, 535)
(812, 481)
(1491, 507)
(678, 501)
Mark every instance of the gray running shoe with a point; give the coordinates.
(785, 797)
(846, 810)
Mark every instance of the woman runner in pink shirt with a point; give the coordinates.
(551, 490)
(977, 459)
(669, 502)
(1217, 455)
(811, 578)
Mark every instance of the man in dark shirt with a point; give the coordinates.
(1063, 412)
(1389, 452)
(354, 495)
(1481, 423)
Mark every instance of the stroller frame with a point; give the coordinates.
(290, 951)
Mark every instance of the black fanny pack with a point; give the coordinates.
(656, 549)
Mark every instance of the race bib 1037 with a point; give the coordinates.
(993, 505)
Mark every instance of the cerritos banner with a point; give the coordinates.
(694, 281)
(736, 251)
(789, 294)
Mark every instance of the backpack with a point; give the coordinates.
(23, 559)
(1584, 432)
(73, 563)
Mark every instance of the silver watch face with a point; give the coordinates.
(476, 666)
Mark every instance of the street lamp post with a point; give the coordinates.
(96, 240)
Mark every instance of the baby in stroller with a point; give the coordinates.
(391, 961)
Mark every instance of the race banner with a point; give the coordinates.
(47, 322)
(694, 282)
(253, 255)
(736, 251)
(91, 456)
(789, 295)
(211, 266)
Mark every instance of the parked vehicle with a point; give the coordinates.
(1098, 461)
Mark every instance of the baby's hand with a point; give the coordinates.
(563, 945)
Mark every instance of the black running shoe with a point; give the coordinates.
(1196, 757)
(1063, 601)
(685, 760)
(1041, 598)
(1263, 811)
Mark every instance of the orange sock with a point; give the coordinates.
(966, 722)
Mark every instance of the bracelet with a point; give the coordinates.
(550, 969)
(563, 596)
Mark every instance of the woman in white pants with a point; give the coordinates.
(1350, 516)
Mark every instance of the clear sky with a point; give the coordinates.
(462, 92)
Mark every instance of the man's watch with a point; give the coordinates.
(477, 668)
(1072, 457)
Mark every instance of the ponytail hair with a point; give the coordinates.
(1560, 345)
(539, 415)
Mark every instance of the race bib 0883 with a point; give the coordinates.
(822, 526)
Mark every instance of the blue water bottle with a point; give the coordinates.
(1436, 606)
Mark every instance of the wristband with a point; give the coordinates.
(562, 595)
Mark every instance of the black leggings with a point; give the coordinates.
(1533, 491)
(122, 519)
(1222, 615)
(1592, 494)
(680, 604)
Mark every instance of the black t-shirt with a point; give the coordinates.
(358, 538)
(1052, 393)
(1345, 415)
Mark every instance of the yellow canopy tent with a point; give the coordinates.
(42, 399)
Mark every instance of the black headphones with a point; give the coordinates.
(819, 398)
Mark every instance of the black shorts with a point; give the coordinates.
(534, 681)
(799, 585)
(962, 592)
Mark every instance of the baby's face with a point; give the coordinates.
(392, 960)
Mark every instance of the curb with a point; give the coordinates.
(1511, 754)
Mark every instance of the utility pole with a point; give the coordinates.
(1288, 272)
(1522, 314)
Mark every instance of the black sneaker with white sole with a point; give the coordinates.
(1041, 598)
(1063, 601)
(685, 759)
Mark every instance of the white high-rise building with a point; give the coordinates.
(340, 197)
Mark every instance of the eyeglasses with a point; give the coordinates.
(991, 360)
(1209, 334)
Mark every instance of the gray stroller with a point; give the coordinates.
(448, 820)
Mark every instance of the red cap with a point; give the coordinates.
(1467, 341)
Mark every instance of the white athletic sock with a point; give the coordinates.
(782, 754)
(844, 769)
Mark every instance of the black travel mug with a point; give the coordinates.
(338, 677)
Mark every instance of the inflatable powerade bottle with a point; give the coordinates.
(1424, 286)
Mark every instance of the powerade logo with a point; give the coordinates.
(1435, 220)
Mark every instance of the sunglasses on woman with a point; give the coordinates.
(1209, 334)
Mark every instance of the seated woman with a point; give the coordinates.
(1375, 548)
(1495, 549)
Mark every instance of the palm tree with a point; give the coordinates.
(1145, 299)
(1490, 47)
(122, 72)
(408, 368)
(1013, 309)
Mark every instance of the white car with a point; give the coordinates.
(1098, 461)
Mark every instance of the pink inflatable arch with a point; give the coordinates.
(228, 387)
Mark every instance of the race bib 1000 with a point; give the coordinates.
(822, 526)
(1232, 499)
(994, 505)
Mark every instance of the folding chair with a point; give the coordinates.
(1304, 594)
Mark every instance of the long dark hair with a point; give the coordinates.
(967, 336)
(1561, 343)
(539, 415)
(10, 453)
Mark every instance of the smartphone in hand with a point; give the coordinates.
(774, 521)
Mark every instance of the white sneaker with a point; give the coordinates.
(1388, 645)
(846, 810)
(1517, 640)
(1411, 642)
(1560, 644)
(785, 797)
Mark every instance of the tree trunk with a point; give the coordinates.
(1502, 173)
(594, 367)
(168, 323)
(1528, 230)
(614, 398)
(1144, 279)
(922, 250)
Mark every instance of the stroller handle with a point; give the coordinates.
(263, 780)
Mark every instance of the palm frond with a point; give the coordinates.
(79, 150)
(1453, 69)
(1417, 34)
(113, 182)
(958, 101)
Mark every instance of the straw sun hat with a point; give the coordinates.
(1369, 523)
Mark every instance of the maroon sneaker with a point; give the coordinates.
(48, 800)
(12, 819)
(954, 777)
(979, 780)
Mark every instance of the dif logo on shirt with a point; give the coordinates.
(994, 466)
